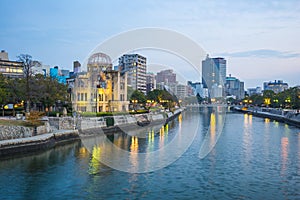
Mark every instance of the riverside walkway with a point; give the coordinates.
(63, 131)
(288, 116)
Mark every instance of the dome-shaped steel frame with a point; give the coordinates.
(99, 59)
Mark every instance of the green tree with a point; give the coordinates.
(269, 94)
(139, 96)
(130, 91)
(163, 97)
(154, 95)
(28, 64)
(4, 92)
(257, 99)
(53, 91)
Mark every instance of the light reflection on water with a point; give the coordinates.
(253, 159)
(284, 154)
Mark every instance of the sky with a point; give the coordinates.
(259, 39)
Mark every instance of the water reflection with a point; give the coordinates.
(247, 139)
(151, 135)
(267, 120)
(247, 120)
(163, 136)
(284, 154)
(94, 162)
(298, 153)
(83, 152)
(212, 128)
(216, 122)
(255, 159)
(142, 151)
(134, 147)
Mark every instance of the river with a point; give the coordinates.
(218, 156)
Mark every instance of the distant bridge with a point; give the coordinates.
(206, 105)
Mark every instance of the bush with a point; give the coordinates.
(139, 112)
(53, 113)
(34, 118)
(105, 114)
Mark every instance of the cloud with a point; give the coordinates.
(262, 53)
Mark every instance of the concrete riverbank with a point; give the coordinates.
(63, 131)
(285, 116)
(36, 143)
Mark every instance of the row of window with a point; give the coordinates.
(11, 70)
(81, 96)
(101, 97)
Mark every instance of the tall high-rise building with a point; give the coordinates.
(135, 67)
(61, 75)
(150, 82)
(166, 76)
(234, 87)
(11, 69)
(76, 67)
(276, 86)
(166, 79)
(252, 91)
(214, 74)
(3, 55)
(198, 89)
(181, 91)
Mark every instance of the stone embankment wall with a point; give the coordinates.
(15, 132)
(62, 123)
(286, 116)
(37, 143)
(67, 123)
(296, 117)
(17, 139)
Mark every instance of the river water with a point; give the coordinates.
(232, 156)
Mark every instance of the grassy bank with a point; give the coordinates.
(7, 122)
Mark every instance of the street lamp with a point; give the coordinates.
(267, 101)
(287, 101)
(276, 102)
(74, 116)
(134, 102)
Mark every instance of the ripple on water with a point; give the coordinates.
(248, 162)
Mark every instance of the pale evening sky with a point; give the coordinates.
(259, 39)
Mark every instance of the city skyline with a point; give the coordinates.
(258, 39)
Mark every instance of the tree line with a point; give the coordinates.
(289, 98)
(33, 92)
(163, 97)
(43, 94)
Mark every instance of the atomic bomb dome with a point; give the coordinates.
(99, 59)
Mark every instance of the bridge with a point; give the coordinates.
(206, 105)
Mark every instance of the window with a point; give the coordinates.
(122, 97)
(82, 108)
(78, 96)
